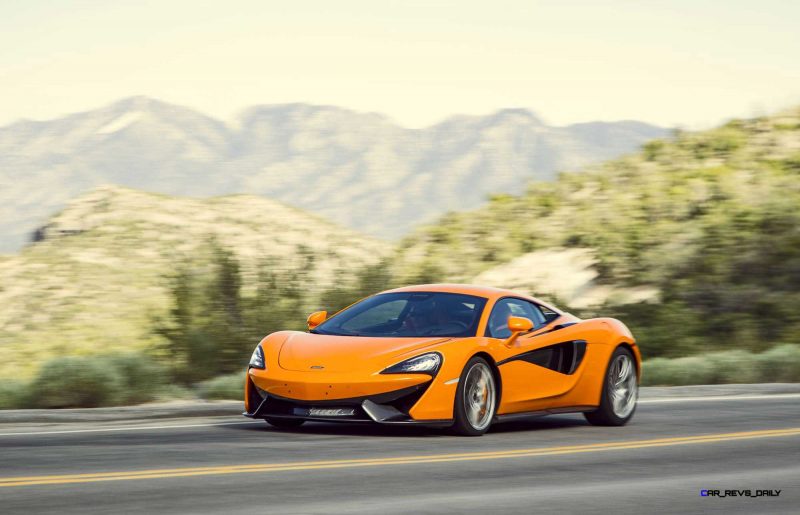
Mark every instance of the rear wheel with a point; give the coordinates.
(284, 423)
(620, 391)
(476, 399)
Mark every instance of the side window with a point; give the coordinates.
(549, 314)
(504, 308)
(539, 318)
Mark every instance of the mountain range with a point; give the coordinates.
(356, 169)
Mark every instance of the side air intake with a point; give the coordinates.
(562, 357)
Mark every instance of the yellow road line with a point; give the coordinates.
(400, 460)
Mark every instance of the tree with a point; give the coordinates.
(226, 324)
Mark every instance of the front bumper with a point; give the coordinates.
(390, 407)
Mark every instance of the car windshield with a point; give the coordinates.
(408, 314)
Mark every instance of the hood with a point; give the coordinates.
(302, 351)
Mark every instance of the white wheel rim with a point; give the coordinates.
(479, 396)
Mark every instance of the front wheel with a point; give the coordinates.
(284, 423)
(476, 399)
(620, 391)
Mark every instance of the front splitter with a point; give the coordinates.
(373, 409)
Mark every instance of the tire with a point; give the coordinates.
(285, 423)
(620, 391)
(476, 399)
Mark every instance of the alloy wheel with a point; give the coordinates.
(479, 396)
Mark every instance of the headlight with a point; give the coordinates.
(424, 363)
(257, 359)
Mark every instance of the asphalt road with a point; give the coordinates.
(671, 451)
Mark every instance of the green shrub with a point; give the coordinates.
(678, 371)
(13, 394)
(779, 364)
(652, 149)
(140, 378)
(734, 366)
(93, 381)
(228, 387)
(75, 382)
(725, 141)
(173, 392)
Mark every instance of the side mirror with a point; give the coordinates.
(517, 326)
(316, 318)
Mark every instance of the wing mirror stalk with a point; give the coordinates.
(518, 326)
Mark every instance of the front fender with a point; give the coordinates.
(438, 400)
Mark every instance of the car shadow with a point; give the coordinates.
(414, 431)
(345, 429)
(541, 423)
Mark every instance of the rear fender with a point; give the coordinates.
(602, 335)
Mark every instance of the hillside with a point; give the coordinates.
(696, 241)
(359, 170)
(100, 275)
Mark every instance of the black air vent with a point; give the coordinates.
(562, 357)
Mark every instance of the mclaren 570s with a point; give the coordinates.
(456, 356)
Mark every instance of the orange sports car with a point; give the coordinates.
(457, 356)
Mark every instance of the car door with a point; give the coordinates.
(538, 366)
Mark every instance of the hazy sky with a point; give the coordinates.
(689, 63)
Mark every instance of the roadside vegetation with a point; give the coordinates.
(88, 381)
(779, 364)
(229, 387)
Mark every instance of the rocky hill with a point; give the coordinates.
(360, 170)
(99, 274)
